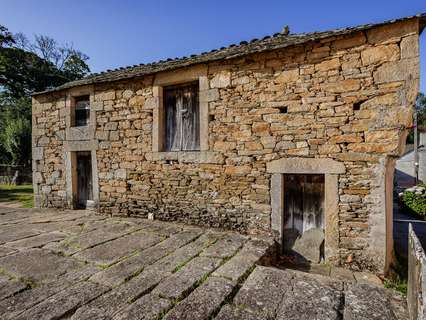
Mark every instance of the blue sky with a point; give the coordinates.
(126, 32)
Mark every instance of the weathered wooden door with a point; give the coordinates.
(303, 203)
(182, 118)
(84, 179)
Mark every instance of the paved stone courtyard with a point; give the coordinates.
(78, 265)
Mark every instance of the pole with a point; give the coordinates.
(416, 146)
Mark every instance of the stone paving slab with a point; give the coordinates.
(242, 263)
(203, 301)
(4, 251)
(148, 307)
(37, 241)
(310, 298)
(63, 302)
(11, 287)
(177, 285)
(114, 250)
(364, 301)
(229, 312)
(106, 306)
(120, 272)
(224, 248)
(93, 238)
(26, 299)
(37, 265)
(271, 293)
(16, 232)
(79, 265)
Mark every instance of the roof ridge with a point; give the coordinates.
(268, 42)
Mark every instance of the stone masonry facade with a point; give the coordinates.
(346, 100)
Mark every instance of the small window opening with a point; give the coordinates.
(182, 118)
(212, 117)
(81, 111)
(357, 105)
(283, 109)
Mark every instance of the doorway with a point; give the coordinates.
(84, 187)
(303, 216)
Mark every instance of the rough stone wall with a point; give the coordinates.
(48, 135)
(347, 98)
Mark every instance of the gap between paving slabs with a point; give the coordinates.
(207, 294)
(188, 277)
(76, 304)
(171, 262)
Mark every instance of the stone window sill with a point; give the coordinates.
(187, 157)
(80, 133)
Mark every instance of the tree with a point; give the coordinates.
(23, 72)
(27, 67)
(421, 111)
(15, 137)
(65, 58)
(6, 37)
(421, 117)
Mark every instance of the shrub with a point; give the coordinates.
(415, 199)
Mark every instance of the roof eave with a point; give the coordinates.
(422, 22)
(214, 55)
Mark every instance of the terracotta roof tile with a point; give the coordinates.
(267, 43)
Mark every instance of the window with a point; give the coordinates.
(81, 111)
(182, 118)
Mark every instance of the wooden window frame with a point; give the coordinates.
(180, 116)
(75, 102)
(166, 79)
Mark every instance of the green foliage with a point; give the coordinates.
(22, 73)
(6, 38)
(396, 284)
(399, 274)
(421, 111)
(421, 103)
(75, 66)
(415, 199)
(421, 116)
(27, 67)
(15, 133)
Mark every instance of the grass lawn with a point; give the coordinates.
(23, 195)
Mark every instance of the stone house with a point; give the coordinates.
(282, 135)
(405, 174)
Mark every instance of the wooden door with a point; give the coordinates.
(303, 205)
(84, 179)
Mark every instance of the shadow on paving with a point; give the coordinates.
(78, 265)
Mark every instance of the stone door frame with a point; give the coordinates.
(331, 170)
(70, 149)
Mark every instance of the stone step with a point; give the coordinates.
(270, 293)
